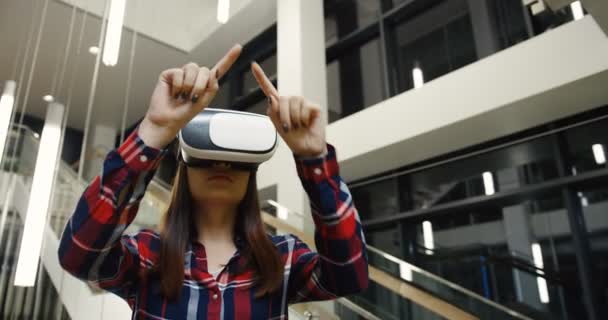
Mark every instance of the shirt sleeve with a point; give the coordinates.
(339, 268)
(92, 246)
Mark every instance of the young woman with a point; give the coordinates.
(212, 258)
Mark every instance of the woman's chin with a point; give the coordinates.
(221, 197)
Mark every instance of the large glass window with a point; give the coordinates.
(346, 16)
(435, 43)
(496, 218)
(415, 42)
(354, 80)
(269, 65)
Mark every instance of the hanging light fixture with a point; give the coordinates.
(598, 153)
(488, 183)
(35, 219)
(537, 256)
(223, 11)
(111, 45)
(6, 110)
(427, 236)
(577, 10)
(417, 76)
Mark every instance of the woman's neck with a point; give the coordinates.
(215, 222)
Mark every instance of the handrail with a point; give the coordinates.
(399, 287)
(514, 261)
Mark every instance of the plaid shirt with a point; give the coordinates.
(94, 248)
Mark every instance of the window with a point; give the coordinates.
(346, 16)
(354, 80)
(477, 216)
(435, 43)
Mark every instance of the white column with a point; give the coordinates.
(301, 71)
(100, 143)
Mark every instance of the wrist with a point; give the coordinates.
(155, 136)
(313, 155)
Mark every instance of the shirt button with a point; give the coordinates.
(318, 171)
(214, 296)
(143, 158)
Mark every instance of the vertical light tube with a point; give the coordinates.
(488, 183)
(537, 256)
(223, 11)
(7, 102)
(418, 77)
(111, 46)
(427, 236)
(282, 212)
(599, 154)
(577, 10)
(35, 219)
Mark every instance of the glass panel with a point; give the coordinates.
(222, 98)
(485, 174)
(270, 68)
(346, 16)
(259, 108)
(385, 304)
(587, 146)
(435, 43)
(509, 20)
(594, 201)
(355, 81)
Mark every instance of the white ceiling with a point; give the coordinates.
(174, 33)
(182, 24)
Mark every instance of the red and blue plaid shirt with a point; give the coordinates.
(94, 248)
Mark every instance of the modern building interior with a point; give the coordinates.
(472, 135)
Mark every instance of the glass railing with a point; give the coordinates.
(41, 301)
(387, 305)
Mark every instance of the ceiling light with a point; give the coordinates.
(223, 11)
(40, 195)
(577, 10)
(599, 154)
(418, 77)
(48, 98)
(537, 257)
(6, 109)
(427, 236)
(94, 50)
(488, 183)
(111, 45)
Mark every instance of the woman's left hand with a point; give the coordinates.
(297, 120)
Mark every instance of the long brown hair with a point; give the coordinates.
(176, 230)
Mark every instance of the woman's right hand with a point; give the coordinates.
(180, 94)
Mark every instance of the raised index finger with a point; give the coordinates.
(265, 83)
(222, 66)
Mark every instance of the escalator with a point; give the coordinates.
(398, 289)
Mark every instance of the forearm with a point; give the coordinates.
(107, 206)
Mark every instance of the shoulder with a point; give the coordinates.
(288, 243)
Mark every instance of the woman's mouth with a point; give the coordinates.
(220, 177)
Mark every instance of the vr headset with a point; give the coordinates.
(242, 139)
